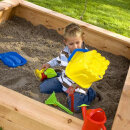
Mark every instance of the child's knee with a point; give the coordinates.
(41, 88)
(91, 93)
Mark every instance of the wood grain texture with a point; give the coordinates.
(122, 118)
(20, 112)
(93, 36)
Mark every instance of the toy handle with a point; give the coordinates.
(84, 111)
(64, 108)
(72, 102)
(99, 110)
(70, 91)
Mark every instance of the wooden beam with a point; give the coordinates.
(94, 36)
(18, 112)
(6, 4)
(13, 2)
(5, 15)
(6, 7)
(122, 118)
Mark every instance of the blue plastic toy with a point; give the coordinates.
(72, 54)
(12, 59)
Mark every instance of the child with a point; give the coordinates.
(73, 39)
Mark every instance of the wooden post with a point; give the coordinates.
(6, 7)
(13, 2)
(122, 118)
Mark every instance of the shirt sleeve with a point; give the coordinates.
(54, 62)
(61, 60)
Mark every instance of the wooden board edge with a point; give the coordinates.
(94, 36)
(122, 117)
(30, 110)
(81, 23)
(6, 9)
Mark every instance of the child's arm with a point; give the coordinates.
(67, 83)
(46, 66)
(51, 63)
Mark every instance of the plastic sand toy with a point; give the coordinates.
(52, 100)
(12, 59)
(85, 68)
(94, 119)
(84, 110)
(44, 74)
(70, 92)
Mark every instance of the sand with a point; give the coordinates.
(38, 45)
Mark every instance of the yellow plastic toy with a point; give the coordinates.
(44, 74)
(86, 67)
(38, 73)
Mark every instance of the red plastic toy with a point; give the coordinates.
(84, 110)
(94, 119)
(70, 92)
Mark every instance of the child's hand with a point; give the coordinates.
(70, 91)
(46, 66)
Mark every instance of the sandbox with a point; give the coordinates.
(37, 39)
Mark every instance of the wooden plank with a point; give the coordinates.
(5, 15)
(6, 4)
(122, 118)
(1, 8)
(6, 7)
(29, 114)
(5, 11)
(12, 120)
(7, 125)
(12, 2)
(107, 44)
(94, 36)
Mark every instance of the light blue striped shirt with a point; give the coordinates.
(62, 60)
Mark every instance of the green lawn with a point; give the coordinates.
(113, 15)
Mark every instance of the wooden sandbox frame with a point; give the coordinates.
(18, 112)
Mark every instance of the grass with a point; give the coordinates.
(113, 15)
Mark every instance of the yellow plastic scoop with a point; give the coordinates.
(86, 67)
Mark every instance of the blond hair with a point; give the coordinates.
(72, 30)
